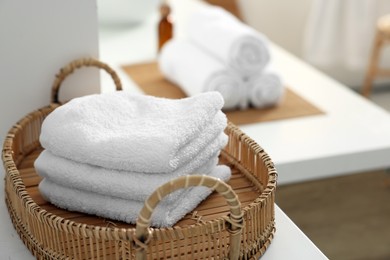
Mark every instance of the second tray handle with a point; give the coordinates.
(235, 218)
(76, 64)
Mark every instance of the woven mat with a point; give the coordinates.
(148, 77)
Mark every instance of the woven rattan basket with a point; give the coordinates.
(237, 223)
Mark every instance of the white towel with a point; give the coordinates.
(165, 215)
(195, 71)
(127, 185)
(228, 39)
(130, 132)
(265, 90)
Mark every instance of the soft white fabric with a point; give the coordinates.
(228, 39)
(195, 71)
(122, 184)
(166, 214)
(341, 33)
(265, 89)
(129, 132)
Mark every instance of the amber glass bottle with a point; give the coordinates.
(165, 26)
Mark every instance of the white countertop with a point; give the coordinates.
(352, 135)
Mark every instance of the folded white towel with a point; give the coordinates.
(231, 41)
(166, 214)
(130, 132)
(265, 90)
(122, 184)
(195, 71)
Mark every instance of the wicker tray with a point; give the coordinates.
(241, 228)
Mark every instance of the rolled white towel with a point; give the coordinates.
(165, 215)
(123, 184)
(228, 39)
(130, 132)
(265, 90)
(195, 71)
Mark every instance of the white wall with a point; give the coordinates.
(37, 38)
(283, 21)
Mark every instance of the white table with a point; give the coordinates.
(353, 134)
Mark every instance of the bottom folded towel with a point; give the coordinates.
(165, 214)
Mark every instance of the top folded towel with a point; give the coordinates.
(223, 35)
(130, 132)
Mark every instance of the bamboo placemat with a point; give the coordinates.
(148, 77)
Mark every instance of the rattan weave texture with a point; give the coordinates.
(207, 233)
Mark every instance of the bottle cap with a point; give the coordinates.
(165, 10)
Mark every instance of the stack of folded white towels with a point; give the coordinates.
(221, 53)
(105, 154)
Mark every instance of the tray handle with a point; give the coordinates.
(76, 64)
(143, 234)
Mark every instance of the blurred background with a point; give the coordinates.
(335, 36)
